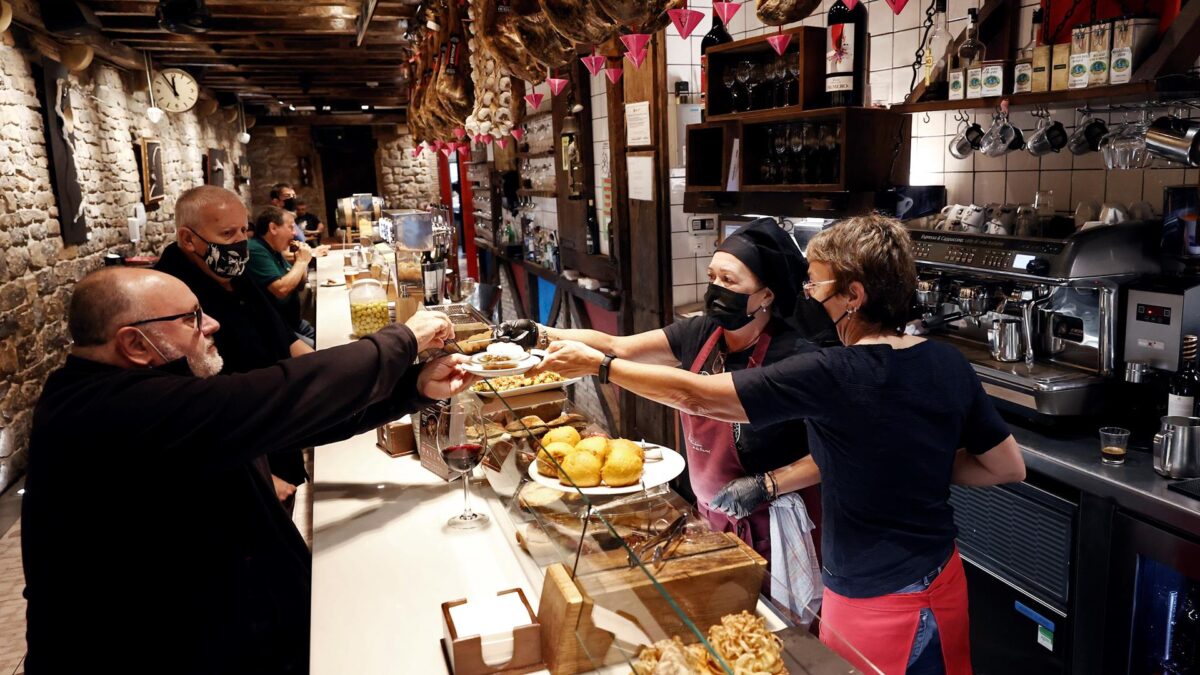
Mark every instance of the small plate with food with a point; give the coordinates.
(332, 283)
(501, 359)
(516, 385)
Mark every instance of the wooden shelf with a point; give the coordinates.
(541, 113)
(537, 193)
(536, 155)
(786, 114)
(789, 187)
(1133, 90)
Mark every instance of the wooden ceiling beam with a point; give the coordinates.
(275, 26)
(262, 10)
(340, 119)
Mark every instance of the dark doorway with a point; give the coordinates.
(347, 163)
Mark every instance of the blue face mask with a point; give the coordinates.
(226, 260)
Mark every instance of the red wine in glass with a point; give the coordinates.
(462, 458)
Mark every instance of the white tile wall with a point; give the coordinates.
(978, 178)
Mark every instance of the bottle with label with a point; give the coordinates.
(1181, 392)
(717, 35)
(937, 56)
(846, 54)
(593, 229)
(971, 55)
(1023, 70)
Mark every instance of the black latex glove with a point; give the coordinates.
(514, 330)
(741, 496)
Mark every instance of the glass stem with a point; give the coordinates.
(466, 479)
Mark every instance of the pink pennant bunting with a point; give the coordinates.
(685, 20)
(464, 150)
(487, 139)
(726, 10)
(613, 73)
(453, 146)
(446, 152)
(557, 84)
(518, 133)
(850, 4)
(779, 42)
(896, 5)
(594, 63)
(534, 100)
(503, 143)
(416, 152)
(635, 41)
(636, 56)
(459, 133)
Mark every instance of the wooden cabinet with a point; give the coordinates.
(806, 92)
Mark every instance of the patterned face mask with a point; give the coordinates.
(226, 260)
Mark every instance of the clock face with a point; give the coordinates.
(175, 90)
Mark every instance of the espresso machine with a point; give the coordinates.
(1040, 319)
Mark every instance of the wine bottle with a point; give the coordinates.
(846, 54)
(593, 229)
(972, 51)
(1184, 384)
(717, 35)
(936, 61)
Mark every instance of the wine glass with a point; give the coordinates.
(768, 170)
(781, 82)
(793, 66)
(812, 155)
(771, 79)
(729, 79)
(745, 70)
(463, 443)
(780, 142)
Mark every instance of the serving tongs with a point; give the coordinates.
(659, 543)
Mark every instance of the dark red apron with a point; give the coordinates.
(880, 630)
(713, 460)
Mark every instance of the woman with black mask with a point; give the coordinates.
(736, 470)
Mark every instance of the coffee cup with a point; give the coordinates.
(1141, 211)
(1049, 137)
(996, 227)
(974, 218)
(1087, 136)
(1113, 213)
(966, 141)
(1086, 211)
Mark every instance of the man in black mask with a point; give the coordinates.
(735, 470)
(210, 254)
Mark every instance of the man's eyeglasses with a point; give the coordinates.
(808, 286)
(197, 316)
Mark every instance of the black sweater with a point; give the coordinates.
(150, 542)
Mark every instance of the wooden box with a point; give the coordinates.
(396, 438)
(464, 653)
(807, 41)
(713, 575)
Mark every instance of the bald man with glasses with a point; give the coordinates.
(150, 542)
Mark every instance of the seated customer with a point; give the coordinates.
(314, 229)
(278, 278)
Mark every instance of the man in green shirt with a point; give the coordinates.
(273, 235)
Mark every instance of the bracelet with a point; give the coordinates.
(604, 366)
(543, 340)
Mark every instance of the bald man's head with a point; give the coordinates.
(216, 214)
(138, 318)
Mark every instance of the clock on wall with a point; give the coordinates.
(175, 90)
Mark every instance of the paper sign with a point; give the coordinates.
(733, 184)
(637, 123)
(641, 178)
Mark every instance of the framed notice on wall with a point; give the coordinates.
(150, 156)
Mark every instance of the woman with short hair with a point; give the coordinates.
(893, 420)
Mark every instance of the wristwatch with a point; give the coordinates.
(604, 365)
(543, 339)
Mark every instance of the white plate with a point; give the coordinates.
(533, 388)
(653, 473)
(523, 366)
(326, 284)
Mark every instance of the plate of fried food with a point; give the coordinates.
(601, 466)
(516, 385)
(501, 359)
(742, 640)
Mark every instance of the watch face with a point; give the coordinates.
(175, 90)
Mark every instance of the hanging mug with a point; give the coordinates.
(1087, 136)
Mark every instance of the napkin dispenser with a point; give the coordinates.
(492, 636)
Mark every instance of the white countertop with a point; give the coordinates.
(383, 562)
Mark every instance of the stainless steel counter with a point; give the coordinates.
(1074, 458)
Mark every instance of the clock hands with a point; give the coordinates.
(172, 82)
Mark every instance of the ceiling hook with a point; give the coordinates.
(925, 118)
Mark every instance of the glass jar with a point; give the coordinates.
(368, 307)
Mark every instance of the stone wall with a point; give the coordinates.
(276, 159)
(408, 182)
(37, 273)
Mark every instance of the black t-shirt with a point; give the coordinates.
(252, 334)
(884, 426)
(763, 447)
(308, 221)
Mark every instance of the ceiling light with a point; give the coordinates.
(292, 107)
(326, 108)
(372, 84)
(366, 107)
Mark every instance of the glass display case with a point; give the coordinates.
(630, 575)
